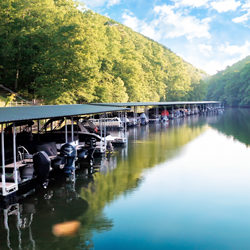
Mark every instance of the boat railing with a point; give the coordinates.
(23, 154)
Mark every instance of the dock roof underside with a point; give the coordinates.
(130, 104)
(12, 114)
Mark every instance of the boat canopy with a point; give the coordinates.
(164, 113)
(24, 113)
(133, 104)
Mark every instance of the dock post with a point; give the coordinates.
(105, 130)
(38, 130)
(72, 129)
(146, 111)
(100, 126)
(66, 130)
(125, 125)
(72, 139)
(14, 155)
(135, 114)
(3, 164)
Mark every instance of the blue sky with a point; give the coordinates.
(209, 34)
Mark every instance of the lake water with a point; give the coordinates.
(185, 185)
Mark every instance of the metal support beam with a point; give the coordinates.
(3, 164)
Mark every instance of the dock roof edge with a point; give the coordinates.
(126, 104)
(22, 113)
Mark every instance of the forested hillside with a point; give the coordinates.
(53, 51)
(232, 86)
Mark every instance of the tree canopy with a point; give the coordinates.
(58, 52)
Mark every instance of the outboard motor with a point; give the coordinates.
(42, 164)
(90, 143)
(68, 154)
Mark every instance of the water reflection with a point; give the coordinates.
(147, 147)
(238, 127)
(29, 224)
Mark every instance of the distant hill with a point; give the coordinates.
(232, 85)
(55, 52)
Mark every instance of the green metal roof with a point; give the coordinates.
(126, 104)
(12, 114)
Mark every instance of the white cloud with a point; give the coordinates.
(132, 21)
(241, 19)
(140, 26)
(245, 17)
(225, 5)
(190, 3)
(205, 49)
(243, 50)
(246, 6)
(169, 24)
(113, 2)
(174, 24)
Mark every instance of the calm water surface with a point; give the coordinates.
(185, 185)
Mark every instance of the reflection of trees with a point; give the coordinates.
(236, 123)
(145, 151)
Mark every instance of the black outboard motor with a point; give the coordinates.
(42, 164)
(68, 154)
(90, 143)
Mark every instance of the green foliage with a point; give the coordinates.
(54, 52)
(232, 86)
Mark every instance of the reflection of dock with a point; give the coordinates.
(20, 223)
(13, 212)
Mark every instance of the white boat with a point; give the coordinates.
(113, 123)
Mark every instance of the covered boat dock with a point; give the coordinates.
(19, 115)
(171, 105)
